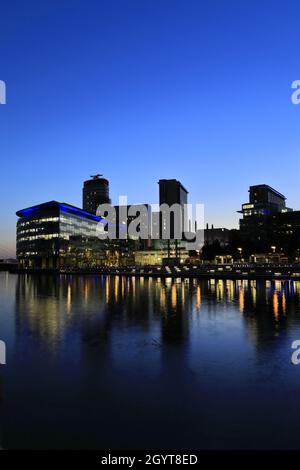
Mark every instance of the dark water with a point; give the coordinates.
(99, 362)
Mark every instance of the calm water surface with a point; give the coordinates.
(104, 362)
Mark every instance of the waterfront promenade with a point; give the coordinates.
(217, 271)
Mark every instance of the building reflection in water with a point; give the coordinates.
(108, 346)
(50, 307)
(198, 298)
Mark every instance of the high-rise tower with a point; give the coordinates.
(172, 192)
(95, 192)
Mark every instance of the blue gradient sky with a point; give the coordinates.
(142, 90)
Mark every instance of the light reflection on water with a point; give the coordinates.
(116, 362)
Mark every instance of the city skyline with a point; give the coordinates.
(12, 253)
(147, 91)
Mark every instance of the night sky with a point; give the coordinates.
(142, 90)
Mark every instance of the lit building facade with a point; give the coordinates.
(53, 235)
(267, 224)
(264, 200)
(60, 236)
(162, 254)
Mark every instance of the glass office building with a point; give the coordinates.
(58, 236)
(264, 200)
(268, 225)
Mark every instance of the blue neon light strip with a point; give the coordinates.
(66, 208)
(28, 211)
(61, 206)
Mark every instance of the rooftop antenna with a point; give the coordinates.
(95, 177)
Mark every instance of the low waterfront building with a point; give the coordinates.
(53, 235)
(56, 235)
(215, 234)
(149, 257)
(223, 259)
(158, 258)
(268, 258)
(161, 252)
